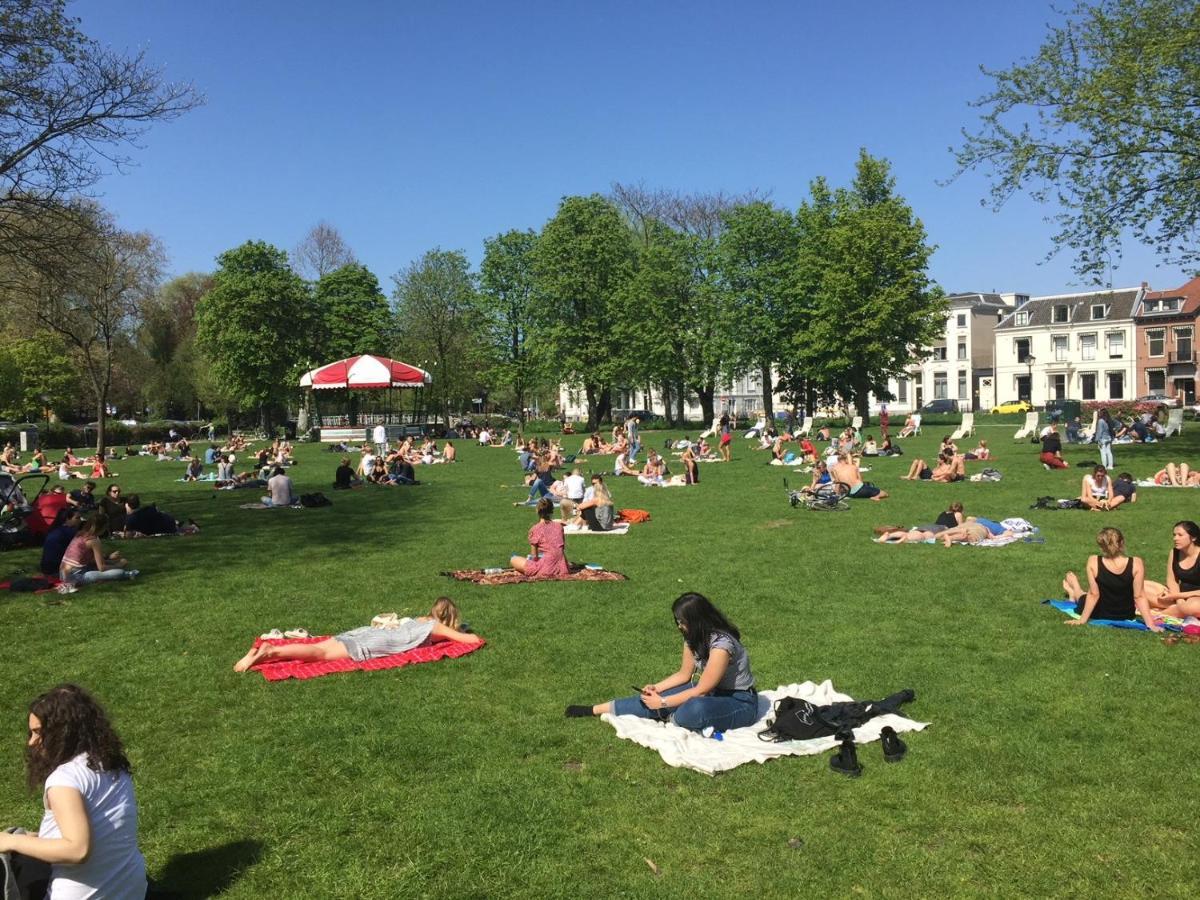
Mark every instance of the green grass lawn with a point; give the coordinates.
(1058, 761)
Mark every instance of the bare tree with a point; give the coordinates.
(322, 251)
(68, 108)
(698, 214)
(91, 298)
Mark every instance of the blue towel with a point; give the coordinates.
(1068, 606)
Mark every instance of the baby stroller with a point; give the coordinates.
(829, 497)
(16, 507)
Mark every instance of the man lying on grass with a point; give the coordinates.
(371, 641)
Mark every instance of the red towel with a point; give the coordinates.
(291, 668)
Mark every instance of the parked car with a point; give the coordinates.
(940, 406)
(1159, 398)
(620, 415)
(1012, 406)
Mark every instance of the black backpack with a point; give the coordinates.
(313, 500)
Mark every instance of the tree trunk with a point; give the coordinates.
(680, 396)
(666, 398)
(593, 419)
(862, 400)
(101, 423)
(707, 394)
(768, 392)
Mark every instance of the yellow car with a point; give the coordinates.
(1012, 406)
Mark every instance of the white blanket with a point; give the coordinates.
(686, 749)
(1149, 482)
(619, 528)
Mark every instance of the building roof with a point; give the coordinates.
(977, 299)
(1190, 293)
(1041, 309)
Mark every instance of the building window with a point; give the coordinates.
(1156, 381)
(1022, 317)
(1099, 311)
(939, 385)
(962, 385)
(1061, 313)
(1116, 386)
(1163, 304)
(1116, 346)
(962, 349)
(1087, 385)
(1183, 344)
(962, 320)
(1058, 386)
(1157, 341)
(1021, 345)
(1087, 346)
(902, 390)
(939, 353)
(1060, 347)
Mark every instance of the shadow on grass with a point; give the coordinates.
(205, 873)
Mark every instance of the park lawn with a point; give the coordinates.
(1058, 761)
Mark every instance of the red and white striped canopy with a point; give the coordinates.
(366, 373)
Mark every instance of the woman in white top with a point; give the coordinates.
(1097, 489)
(89, 832)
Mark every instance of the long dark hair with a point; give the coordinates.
(1191, 528)
(73, 722)
(701, 620)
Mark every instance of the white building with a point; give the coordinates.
(1068, 346)
(959, 365)
(742, 398)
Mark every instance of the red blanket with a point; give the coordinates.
(285, 668)
(44, 584)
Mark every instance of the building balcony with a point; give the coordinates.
(1186, 358)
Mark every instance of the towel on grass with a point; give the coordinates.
(292, 668)
(207, 476)
(687, 749)
(264, 506)
(1149, 482)
(1168, 623)
(512, 576)
(620, 528)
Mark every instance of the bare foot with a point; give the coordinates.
(247, 662)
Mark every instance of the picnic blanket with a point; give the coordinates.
(33, 584)
(687, 749)
(292, 668)
(264, 506)
(512, 576)
(207, 476)
(1168, 623)
(1150, 482)
(619, 528)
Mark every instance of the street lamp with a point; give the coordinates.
(1030, 359)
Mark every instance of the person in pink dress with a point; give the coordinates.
(547, 557)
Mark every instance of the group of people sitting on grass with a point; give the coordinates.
(1118, 589)
(952, 526)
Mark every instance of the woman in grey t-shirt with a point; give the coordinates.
(713, 687)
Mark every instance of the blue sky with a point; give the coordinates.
(414, 125)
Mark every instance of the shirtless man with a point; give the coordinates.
(846, 471)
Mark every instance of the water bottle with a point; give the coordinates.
(710, 732)
(494, 570)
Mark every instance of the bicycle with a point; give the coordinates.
(830, 497)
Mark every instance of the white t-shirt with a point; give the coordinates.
(368, 464)
(575, 487)
(485, 437)
(380, 434)
(114, 867)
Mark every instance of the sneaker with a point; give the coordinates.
(893, 748)
(1046, 466)
(66, 587)
(131, 574)
(296, 633)
(273, 635)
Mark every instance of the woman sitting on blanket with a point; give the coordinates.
(1096, 490)
(949, 468)
(84, 561)
(973, 530)
(723, 697)
(1115, 585)
(980, 452)
(621, 466)
(547, 546)
(894, 534)
(194, 470)
(370, 641)
(596, 509)
(1179, 475)
(1181, 595)
(654, 470)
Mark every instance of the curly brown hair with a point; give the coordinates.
(73, 722)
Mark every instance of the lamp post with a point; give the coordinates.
(1030, 359)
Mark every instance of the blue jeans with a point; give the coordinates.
(722, 711)
(537, 490)
(1106, 457)
(91, 576)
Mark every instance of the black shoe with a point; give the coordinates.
(846, 759)
(893, 748)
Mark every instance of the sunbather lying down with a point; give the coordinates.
(371, 641)
(974, 530)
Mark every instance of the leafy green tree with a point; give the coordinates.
(863, 260)
(757, 254)
(506, 281)
(1103, 122)
(37, 373)
(583, 260)
(257, 327)
(440, 322)
(355, 314)
(166, 341)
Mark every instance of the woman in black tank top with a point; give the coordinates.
(1182, 597)
(1115, 590)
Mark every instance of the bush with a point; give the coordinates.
(1122, 409)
